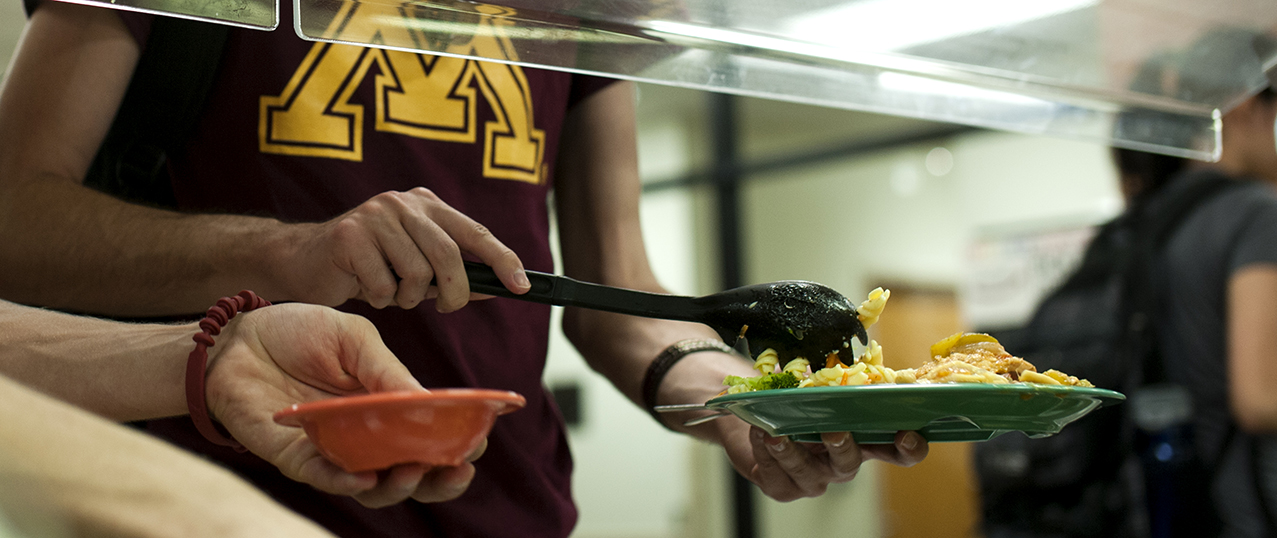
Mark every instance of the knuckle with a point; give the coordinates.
(845, 473)
(479, 230)
(815, 490)
(446, 250)
(382, 292)
(347, 231)
(509, 257)
(425, 193)
(782, 494)
(415, 272)
(378, 202)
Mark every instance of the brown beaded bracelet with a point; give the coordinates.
(214, 320)
(669, 356)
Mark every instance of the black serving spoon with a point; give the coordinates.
(794, 317)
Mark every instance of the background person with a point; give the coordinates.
(1215, 284)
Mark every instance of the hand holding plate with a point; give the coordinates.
(277, 356)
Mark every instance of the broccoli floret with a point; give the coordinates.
(782, 380)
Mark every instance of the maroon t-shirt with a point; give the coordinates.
(306, 131)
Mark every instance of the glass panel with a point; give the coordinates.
(1147, 74)
(255, 14)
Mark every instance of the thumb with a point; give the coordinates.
(375, 366)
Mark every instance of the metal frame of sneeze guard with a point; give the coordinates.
(252, 14)
(1154, 75)
(1071, 68)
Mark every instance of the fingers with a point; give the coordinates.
(391, 486)
(361, 256)
(444, 483)
(413, 271)
(908, 450)
(422, 484)
(470, 236)
(394, 485)
(785, 471)
(444, 256)
(418, 238)
(475, 238)
(478, 452)
(844, 454)
(328, 477)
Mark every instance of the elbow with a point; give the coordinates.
(577, 327)
(1255, 413)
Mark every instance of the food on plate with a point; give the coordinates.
(870, 309)
(979, 358)
(961, 358)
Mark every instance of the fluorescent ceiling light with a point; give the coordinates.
(890, 25)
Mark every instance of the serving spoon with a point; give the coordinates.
(794, 317)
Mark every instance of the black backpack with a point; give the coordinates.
(161, 108)
(1088, 480)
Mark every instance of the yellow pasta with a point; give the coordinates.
(767, 361)
(961, 358)
(798, 367)
(871, 309)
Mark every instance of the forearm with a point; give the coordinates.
(1252, 347)
(597, 192)
(118, 370)
(623, 347)
(107, 480)
(67, 246)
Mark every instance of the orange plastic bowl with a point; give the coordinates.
(377, 431)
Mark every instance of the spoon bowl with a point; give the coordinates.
(796, 318)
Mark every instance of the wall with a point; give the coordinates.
(12, 18)
(849, 223)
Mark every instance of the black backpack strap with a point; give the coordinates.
(1153, 230)
(160, 110)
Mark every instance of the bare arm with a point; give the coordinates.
(597, 191)
(263, 361)
(113, 481)
(64, 245)
(1252, 347)
(121, 371)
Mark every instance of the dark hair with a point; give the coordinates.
(1211, 70)
(1144, 172)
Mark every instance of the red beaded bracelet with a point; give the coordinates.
(217, 317)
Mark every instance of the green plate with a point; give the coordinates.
(950, 412)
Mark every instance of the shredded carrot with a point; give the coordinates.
(832, 359)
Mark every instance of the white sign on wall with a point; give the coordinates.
(1009, 273)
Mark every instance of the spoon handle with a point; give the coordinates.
(563, 291)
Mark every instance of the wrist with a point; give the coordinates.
(212, 390)
(269, 261)
(670, 379)
(217, 318)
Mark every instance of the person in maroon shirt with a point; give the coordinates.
(325, 173)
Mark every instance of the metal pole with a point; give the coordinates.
(726, 180)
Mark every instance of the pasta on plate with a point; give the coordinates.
(961, 358)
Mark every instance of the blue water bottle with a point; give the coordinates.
(1173, 484)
